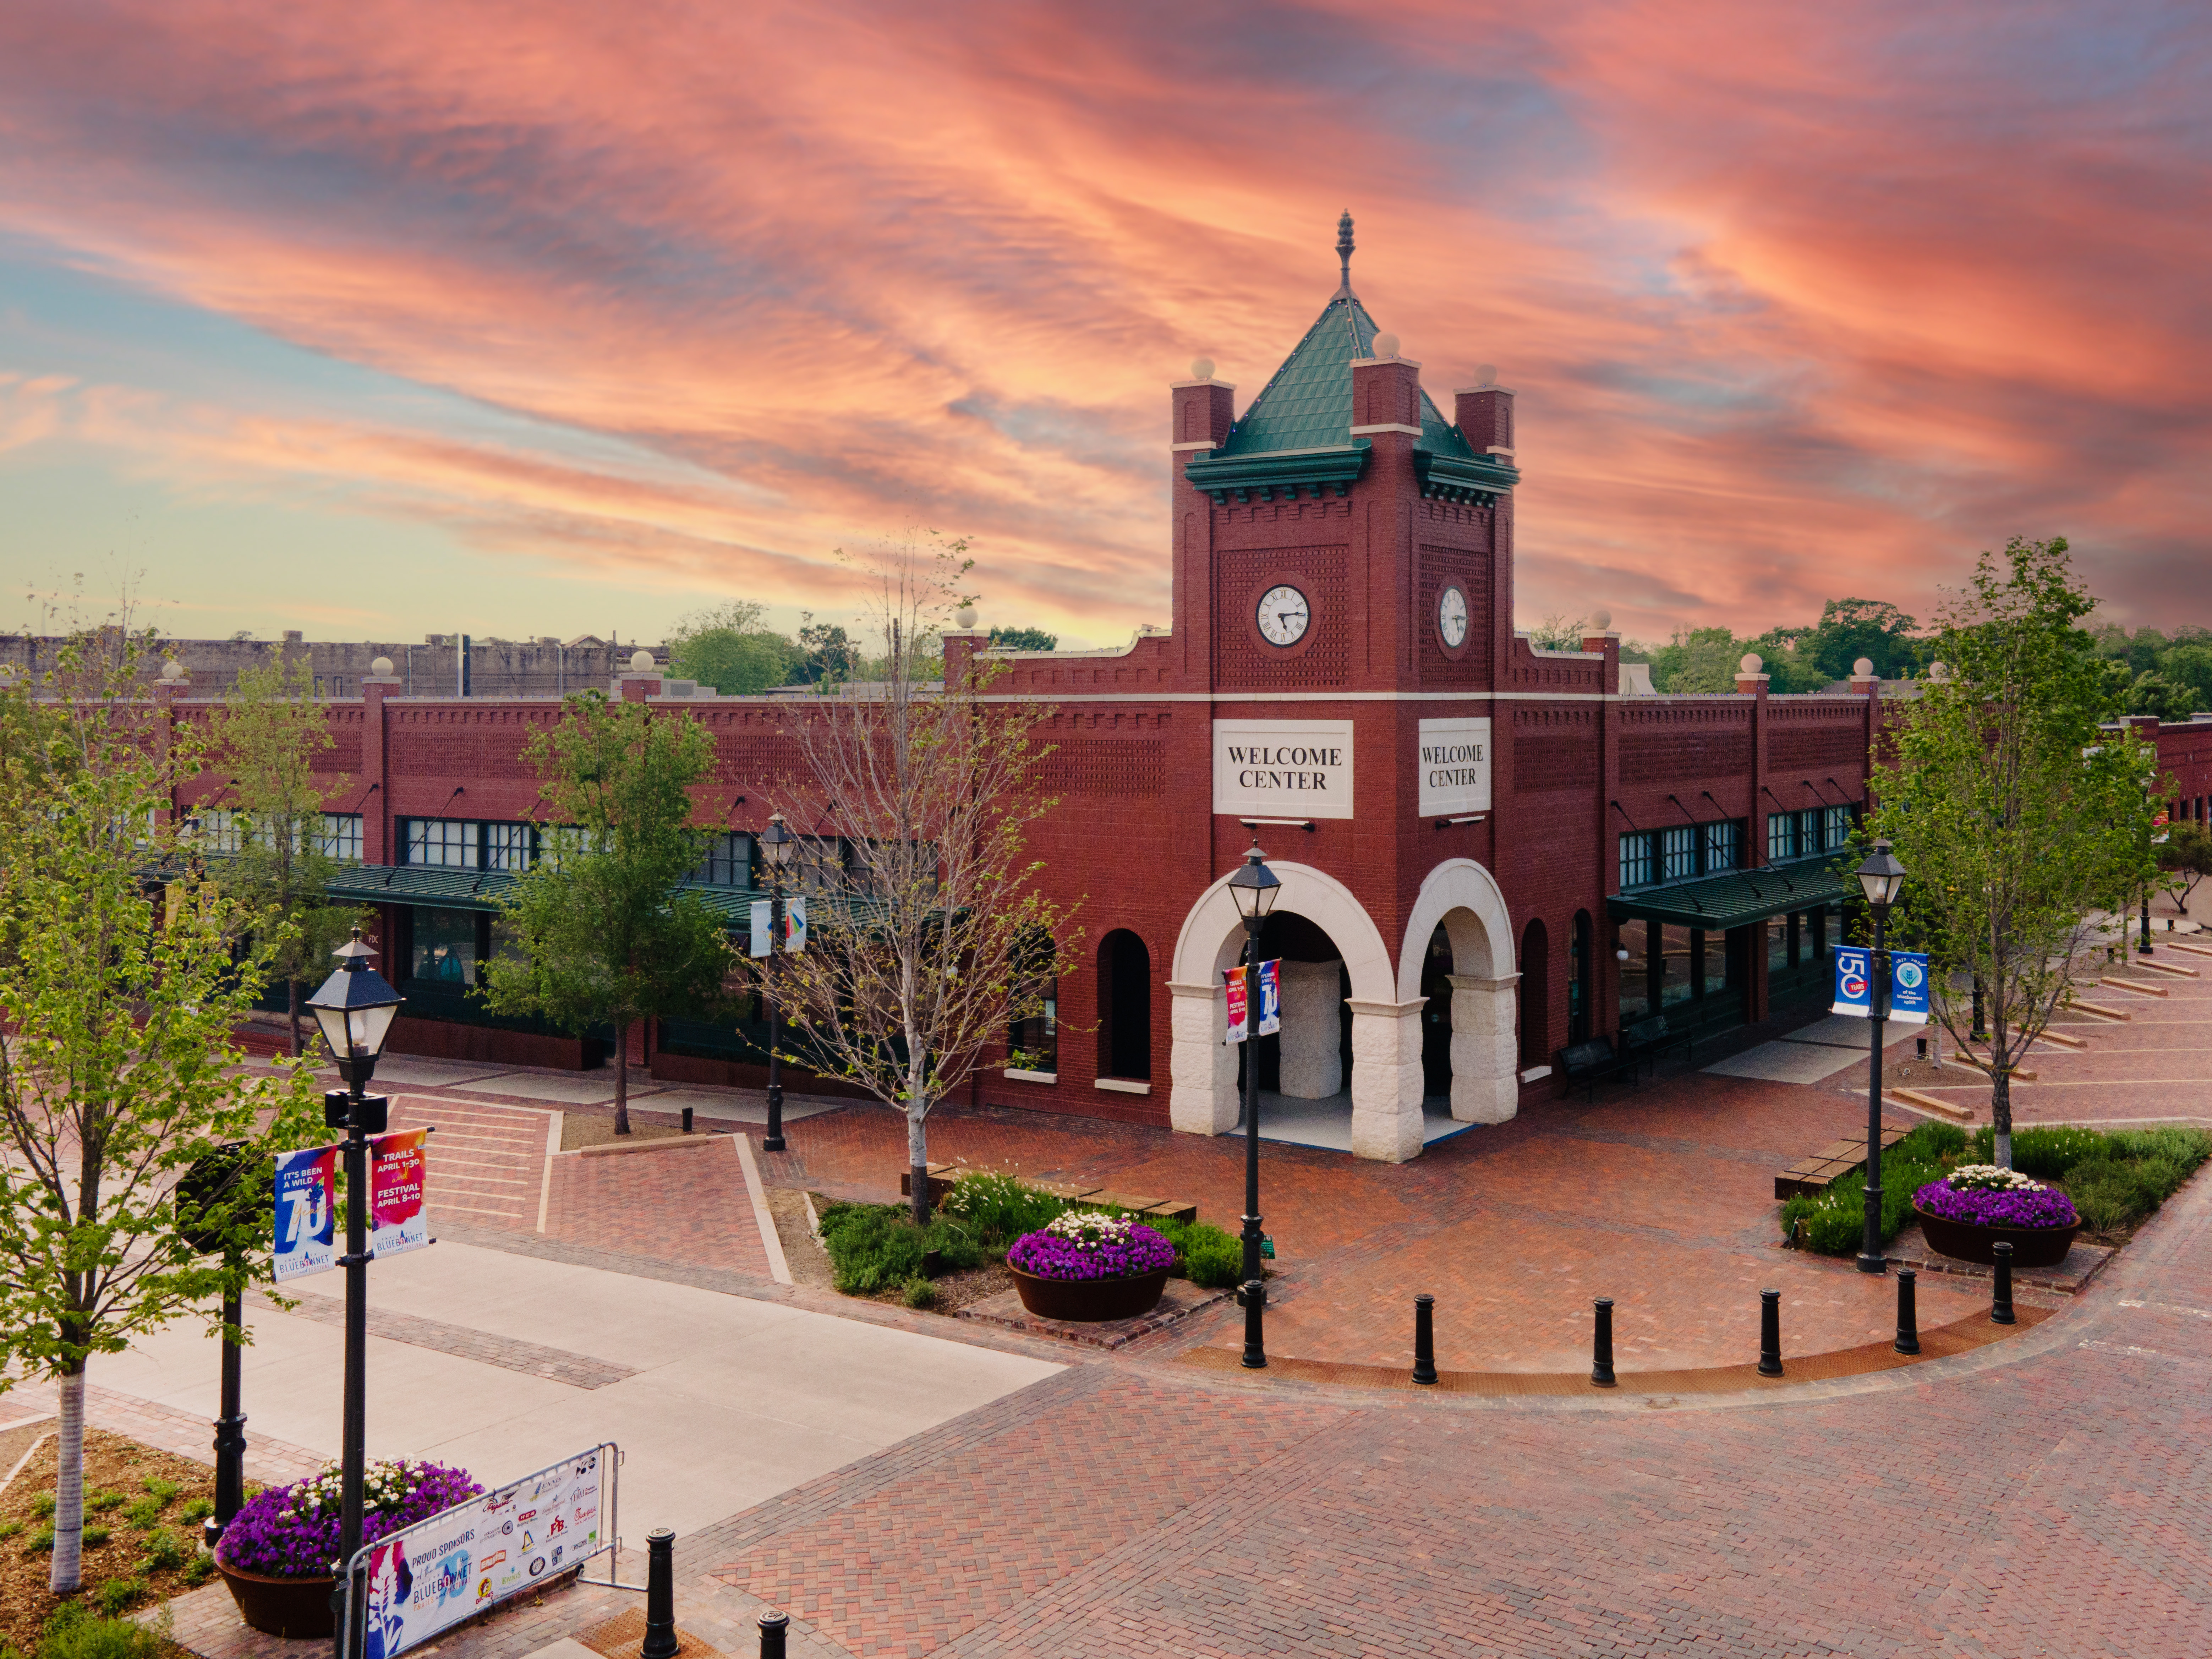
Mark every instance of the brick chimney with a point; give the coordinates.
(1386, 396)
(640, 679)
(1484, 414)
(1749, 682)
(1601, 638)
(961, 645)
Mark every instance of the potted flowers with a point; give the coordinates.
(1089, 1266)
(278, 1553)
(1968, 1212)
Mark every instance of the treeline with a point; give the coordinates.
(730, 648)
(1799, 658)
(2168, 675)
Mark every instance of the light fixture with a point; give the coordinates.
(1881, 877)
(1254, 886)
(777, 843)
(355, 1006)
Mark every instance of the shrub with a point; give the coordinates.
(198, 1569)
(94, 1537)
(119, 1594)
(100, 1502)
(41, 1541)
(2046, 1151)
(2111, 1196)
(2182, 1145)
(1833, 1221)
(9, 1529)
(1088, 1244)
(1204, 1254)
(876, 1247)
(196, 1511)
(292, 1531)
(998, 1208)
(163, 1490)
(75, 1633)
(145, 1513)
(920, 1293)
(42, 1504)
(164, 1549)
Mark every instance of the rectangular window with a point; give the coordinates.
(221, 830)
(450, 843)
(1674, 965)
(1635, 937)
(1808, 832)
(445, 946)
(1678, 852)
(340, 836)
(1839, 828)
(1723, 847)
(729, 861)
(1636, 861)
(1781, 837)
(509, 846)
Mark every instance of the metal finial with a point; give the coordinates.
(1344, 250)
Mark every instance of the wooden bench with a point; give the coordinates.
(1810, 1175)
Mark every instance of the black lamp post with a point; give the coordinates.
(777, 844)
(1882, 877)
(1254, 887)
(355, 1008)
(211, 1187)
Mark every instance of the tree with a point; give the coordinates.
(1557, 632)
(118, 1071)
(729, 648)
(939, 943)
(1702, 659)
(1851, 628)
(606, 937)
(271, 728)
(830, 658)
(2185, 855)
(1023, 639)
(2153, 693)
(2015, 816)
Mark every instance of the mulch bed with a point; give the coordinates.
(111, 1464)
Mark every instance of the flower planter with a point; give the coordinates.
(1972, 1240)
(1090, 1301)
(297, 1607)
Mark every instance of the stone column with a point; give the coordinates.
(1312, 1056)
(1386, 1079)
(1201, 1067)
(1485, 1084)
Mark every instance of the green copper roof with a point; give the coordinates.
(1307, 404)
(1737, 899)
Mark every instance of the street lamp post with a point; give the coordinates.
(777, 844)
(1882, 877)
(210, 1187)
(1254, 886)
(355, 1009)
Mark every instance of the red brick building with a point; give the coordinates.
(1489, 853)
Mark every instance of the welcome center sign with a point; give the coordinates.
(1282, 769)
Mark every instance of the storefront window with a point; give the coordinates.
(1635, 937)
(1713, 963)
(446, 946)
(1778, 944)
(1674, 983)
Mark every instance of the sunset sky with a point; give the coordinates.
(390, 317)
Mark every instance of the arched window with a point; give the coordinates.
(1125, 1007)
(1535, 998)
(1582, 981)
(1033, 1042)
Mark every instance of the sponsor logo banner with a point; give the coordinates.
(1282, 769)
(1908, 985)
(396, 1219)
(1454, 763)
(1271, 1000)
(307, 1189)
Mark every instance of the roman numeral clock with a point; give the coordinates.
(1283, 615)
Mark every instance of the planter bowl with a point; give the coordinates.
(1090, 1301)
(297, 1607)
(1970, 1241)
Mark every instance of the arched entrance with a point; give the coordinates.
(1385, 1049)
(1476, 965)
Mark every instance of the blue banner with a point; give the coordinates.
(306, 1208)
(1908, 987)
(1854, 982)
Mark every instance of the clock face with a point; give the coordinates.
(1283, 615)
(1451, 617)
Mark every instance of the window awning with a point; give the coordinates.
(1736, 899)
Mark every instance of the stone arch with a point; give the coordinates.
(1463, 898)
(1386, 1077)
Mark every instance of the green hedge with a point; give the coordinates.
(1833, 1221)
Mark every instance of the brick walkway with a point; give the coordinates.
(683, 1199)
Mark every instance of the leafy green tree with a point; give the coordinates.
(2016, 817)
(730, 648)
(2189, 664)
(1023, 639)
(829, 658)
(2153, 692)
(2186, 856)
(119, 1069)
(267, 737)
(607, 937)
(939, 944)
(1851, 628)
(1700, 661)
(1557, 632)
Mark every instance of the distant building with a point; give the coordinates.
(442, 664)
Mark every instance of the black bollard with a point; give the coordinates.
(1425, 1339)
(1908, 1313)
(1770, 1332)
(2001, 1304)
(1602, 1345)
(687, 1119)
(659, 1595)
(772, 1628)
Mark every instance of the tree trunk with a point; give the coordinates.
(292, 992)
(68, 1487)
(622, 1078)
(917, 1154)
(2001, 1111)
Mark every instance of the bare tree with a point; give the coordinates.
(927, 940)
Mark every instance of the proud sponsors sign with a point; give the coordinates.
(1454, 761)
(1282, 769)
(459, 1561)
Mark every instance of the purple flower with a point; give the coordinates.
(292, 1531)
(2040, 1206)
(1091, 1246)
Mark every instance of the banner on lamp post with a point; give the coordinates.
(305, 1213)
(1908, 987)
(761, 927)
(396, 1221)
(1271, 1000)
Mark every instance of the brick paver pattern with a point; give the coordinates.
(509, 1353)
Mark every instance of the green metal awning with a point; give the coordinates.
(1737, 899)
(419, 883)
